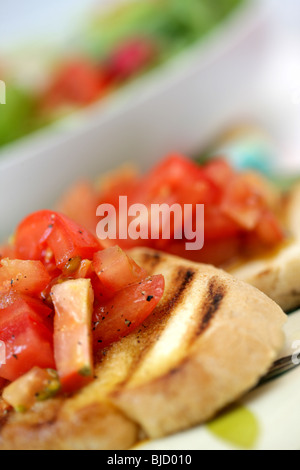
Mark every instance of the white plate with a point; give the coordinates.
(175, 108)
(265, 419)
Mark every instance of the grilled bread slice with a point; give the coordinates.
(208, 342)
(278, 275)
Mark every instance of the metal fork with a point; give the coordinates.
(286, 361)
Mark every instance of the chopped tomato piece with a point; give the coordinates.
(77, 83)
(132, 57)
(242, 204)
(73, 302)
(80, 204)
(176, 179)
(219, 172)
(25, 329)
(116, 270)
(36, 385)
(27, 277)
(268, 230)
(46, 230)
(119, 316)
(236, 206)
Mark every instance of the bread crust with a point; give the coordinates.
(234, 335)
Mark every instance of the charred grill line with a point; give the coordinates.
(214, 297)
(152, 327)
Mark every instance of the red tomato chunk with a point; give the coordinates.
(119, 316)
(26, 331)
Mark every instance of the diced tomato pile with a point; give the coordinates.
(81, 81)
(56, 280)
(240, 208)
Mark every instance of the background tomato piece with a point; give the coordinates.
(27, 277)
(77, 83)
(122, 314)
(242, 203)
(31, 235)
(131, 58)
(219, 172)
(80, 204)
(26, 332)
(121, 182)
(116, 270)
(269, 230)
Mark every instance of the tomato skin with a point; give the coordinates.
(25, 329)
(119, 316)
(116, 270)
(49, 229)
(31, 235)
(27, 277)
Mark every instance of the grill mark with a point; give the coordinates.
(150, 331)
(212, 302)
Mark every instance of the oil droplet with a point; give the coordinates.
(238, 426)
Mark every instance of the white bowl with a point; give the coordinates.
(175, 108)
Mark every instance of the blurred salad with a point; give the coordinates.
(115, 48)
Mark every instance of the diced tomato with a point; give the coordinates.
(68, 240)
(77, 83)
(219, 172)
(80, 204)
(119, 316)
(27, 277)
(131, 58)
(25, 329)
(7, 297)
(268, 230)
(236, 206)
(242, 204)
(48, 229)
(116, 270)
(73, 302)
(120, 182)
(175, 179)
